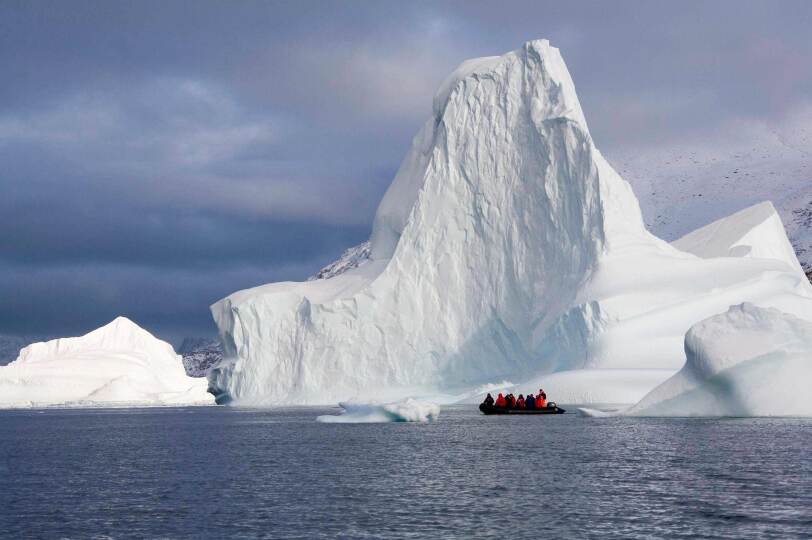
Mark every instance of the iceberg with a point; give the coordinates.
(408, 410)
(506, 248)
(749, 361)
(119, 364)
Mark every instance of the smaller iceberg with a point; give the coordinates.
(749, 361)
(408, 410)
(117, 365)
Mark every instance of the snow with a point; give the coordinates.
(755, 232)
(506, 248)
(119, 364)
(408, 410)
(748, 361)
(609, 388)
(683, 185)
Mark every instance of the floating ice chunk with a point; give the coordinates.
(408, 410)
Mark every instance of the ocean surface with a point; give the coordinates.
(234, 473)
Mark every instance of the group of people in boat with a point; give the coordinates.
(539, 401)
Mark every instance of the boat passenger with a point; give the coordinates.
(520, 402)
(511, 401)
(541, 402)
(500, 401)
(530, 402)
(488, 400)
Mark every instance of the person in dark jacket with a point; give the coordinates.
(511, 399)
(530, 402)
(520, 402)
(488, 401)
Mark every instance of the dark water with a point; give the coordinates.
(227, 473)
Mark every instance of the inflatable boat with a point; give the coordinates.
(551, 408)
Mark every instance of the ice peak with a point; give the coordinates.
(754, 232)
(556, 94)
(120, 334)
(121, 322)
(122, 326)
(526, 95)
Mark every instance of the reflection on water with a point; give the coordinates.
(221, 472)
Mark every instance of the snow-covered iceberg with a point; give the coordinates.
(407, 410)
(119, 364)
(506, 248)
(749, 361)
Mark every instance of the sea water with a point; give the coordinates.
(221, 472)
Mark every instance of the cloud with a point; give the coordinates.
(154, 157)
(75, 298)
(174, 144)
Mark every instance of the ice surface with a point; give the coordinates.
(598, 387)
(755, 232)
(749, 361)
(506, 248)
(119, 364)
(408, 410)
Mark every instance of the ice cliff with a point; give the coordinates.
(505, 248)
(119, 364)
(749, 361)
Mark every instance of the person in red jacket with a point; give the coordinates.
(541, 400)
(511, 401)
(520, 402)
(500, 401)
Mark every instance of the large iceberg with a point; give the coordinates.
(119, 364)
(506, 248)
(749, 361)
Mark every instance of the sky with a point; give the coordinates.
(156, 156)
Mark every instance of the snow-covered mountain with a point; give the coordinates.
(200, 355)
(119, 364)
(352, 258)
(506, 248)
(684, 186)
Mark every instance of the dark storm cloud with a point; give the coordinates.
(155, 156)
